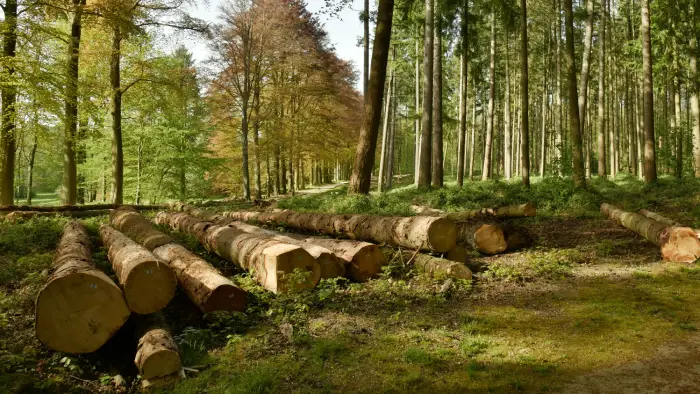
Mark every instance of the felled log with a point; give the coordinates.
(484, 237)
(458, 254)
(15, 216)
(418, 232)
(157, 354)
(679, 244)
(148, 282)
(364, 260)
(204, 285)
(80, 307)
(436, 266)
(74, 208)
(516, 237)
(664, 219)
(269, 260)
(504, 212)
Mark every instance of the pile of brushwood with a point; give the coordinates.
(80, 308)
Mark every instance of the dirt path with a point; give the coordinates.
(673, 368)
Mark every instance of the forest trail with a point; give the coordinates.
(673, 368)
(319, 189)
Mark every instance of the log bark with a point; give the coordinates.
(505, 212)
(148, 282)
(157, 354)
(437, 267)
(15, 216)
(269, 260)
(419, 232)
(204, 285)
(80, 307)
(458, 254)
(75, 208)
(664, 219)
(364, 260)
(483, 237)
(679, 244)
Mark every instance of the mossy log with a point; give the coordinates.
(679, 244)
(271, 261)
(665, 220)
(80, 307)
(147, 281)
(504, 212)
(484, 237)
(157, 354)
(418, 232)
(436, 266)
(205, 286)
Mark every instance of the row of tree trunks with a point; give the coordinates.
(80, 307)
(15, 216)
(419, 232)
(664, 219)
(269, 260)
(204, 285)
(679, 244)
(147, 281)
(436, 266)
(76, 208)
(504, 212)
(157, 354)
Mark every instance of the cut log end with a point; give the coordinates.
(157, 354)
(331, 266)
(366, 262)
(281, 260)
(458, 254)
(227, 298)
(162, 362)
(149, 286)
(442, 235)
(79, 312)
(681, 246)
(490, 239)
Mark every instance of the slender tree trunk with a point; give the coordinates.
(524, 99)
(602, 161)
(392, 135)
(585, 64)
(381, 181)
(117, 147)
(559, 140)
(365, 51)
(8, 91)
(472, 143)
(639, 103)
(244, 151)
(278, 174)
(507, 154)
(574, 121)
(425, 170)
(437, 163)
(545, 97)
(649, 148)
(30, 170)
(364, 155)
(694, 88)
(256, 133)
(417, 121)
(629, 98)
(70, 180)
(487, 168)
(139, 151)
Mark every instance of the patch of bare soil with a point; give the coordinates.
(672, 368)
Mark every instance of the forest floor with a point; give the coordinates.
(589, 308)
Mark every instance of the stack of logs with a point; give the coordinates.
(677, 242)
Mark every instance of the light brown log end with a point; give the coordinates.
(225, 297)
(78, 312)
(157, 354)
(489, 239)
(458, 254)
(442, 235)
(149, 286)
(367, 262)
(681, 245)
(280, 260)
(331, 266)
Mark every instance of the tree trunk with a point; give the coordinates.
(117, 146)
(148, 283)
(8, 91)
(367, 145)
(365, 50)
(576, 141)
(524, 99)
(504, 212)
(487, 167)
(679, 244)
(417, 121)
(678, 131)
(157, 354)
(79, 308)
(269, 261)
(585, 65)
(30, 170)
(424, 169)
(256, 134)
(463, 90)
(545, 98)
(425, 233)
(649, 146)
(437, 160)
(694, 88)
(16, 216)
(381, 179)
(244, 152)
(436, 266)
(486, 238)
(508, 147)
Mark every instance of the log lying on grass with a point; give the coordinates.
(79, 308)
(484, 237)
(26, 215)
(458, 254)
(436, 266)
(157, 354)
(271, 261)
(148, 282)
(665, 220)
(679, 244)
(418, 232)
(204, 285)
(74, 208)
(504, 212)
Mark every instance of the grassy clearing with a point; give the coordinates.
(589, 295)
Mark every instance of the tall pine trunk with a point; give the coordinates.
(488, 143)
(424, 170)
(574, 121)
(437, 159)
(524, 98)
(117, 146)
(365, 49)
(602, 151)
(383, 162)
(367, 145)
(508, 147)
(8, 91)
(545, 96)
(648, 92)
(694, 88)
(585, 65)
(256, 133)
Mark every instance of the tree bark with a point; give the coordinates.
(157, 354)
(424, 169)
(472, 144)
(576, 141)
(679, 244)
(487, 167)
(8, 93)
(148, 283)
(649, 145)
(524, 98)
(437, 159)
(79, 308)
(545, 98)
(486, 238)
(365, 50)
(436, 266)
(417, 121)
(367, 145)
(30, 170)
(694, 102)
(508, 147)
(585, 65)
(381, 179)
(602, 150)
(504, 212)
(117, 146)
(463, 90)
